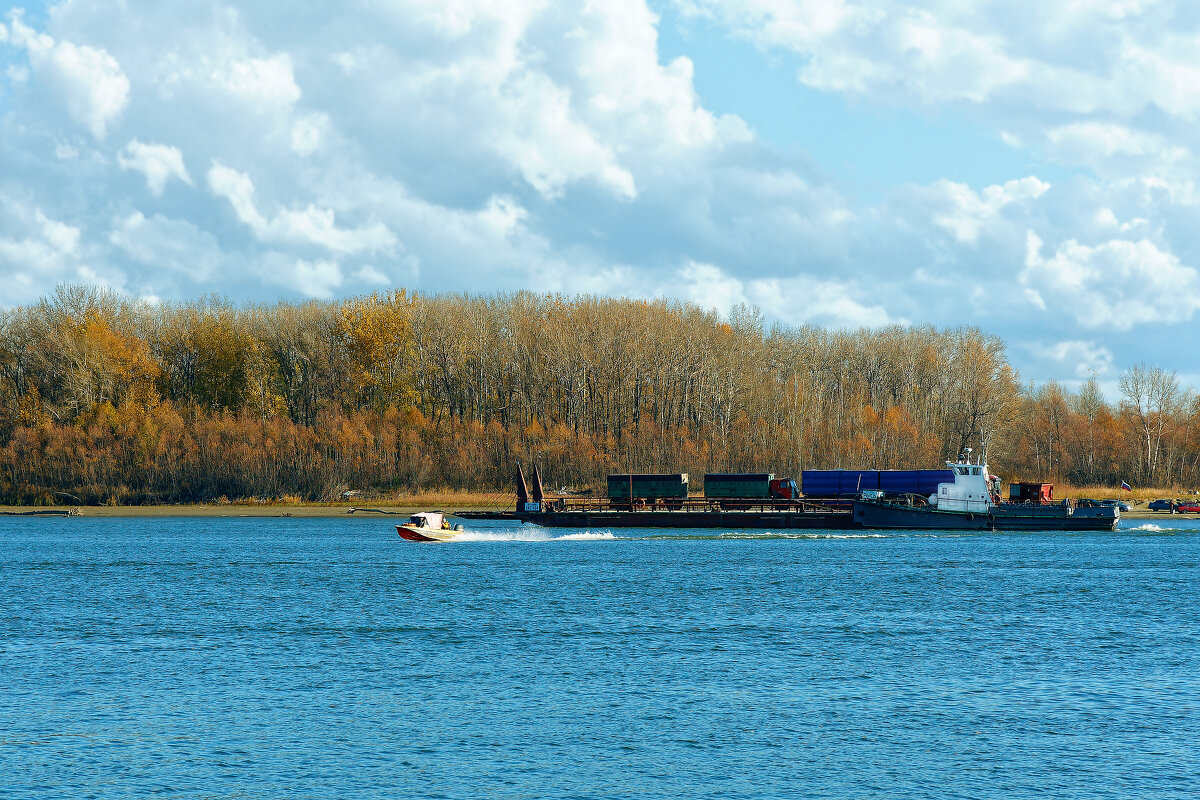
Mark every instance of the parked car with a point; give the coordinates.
(1163, 505)
(1087, 502)
(1121, 504)
(1189, 507)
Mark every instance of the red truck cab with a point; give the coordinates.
(785, 489)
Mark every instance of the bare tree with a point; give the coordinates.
(1150, 402)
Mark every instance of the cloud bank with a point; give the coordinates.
(474, 146)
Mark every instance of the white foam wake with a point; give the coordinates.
(529, 535)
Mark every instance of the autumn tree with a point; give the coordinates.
(1150, 402)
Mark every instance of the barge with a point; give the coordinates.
(657, 501)
(969, 501)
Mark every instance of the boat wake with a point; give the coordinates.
(531, 535)
(538, 534)
(776, 534)
(1170, 528)
(535, 534)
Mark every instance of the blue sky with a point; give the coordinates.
(1029, 169)
(866, 148)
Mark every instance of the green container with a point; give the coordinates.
(740, 485)
(648, 487)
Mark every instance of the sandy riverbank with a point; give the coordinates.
(223, 510)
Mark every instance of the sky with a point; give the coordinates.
(1025, 167)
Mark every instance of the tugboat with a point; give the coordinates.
(972, 502)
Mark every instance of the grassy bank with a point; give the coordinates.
(360, 507)
(1137, 496)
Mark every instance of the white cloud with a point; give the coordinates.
(1115, 285)
(798, 299)
(1028, 63)
(30, 256)
(105, 276)
(560, 94)
(1115, 149)
(170, 245)
(89, 81)
(264, 84)
(311, 278)
(484, 146)
(62, 237)
(157, 162)
(819, 301)
(1081, 358)
(33, 246)
(265, 81)
(308, 133)
(933, 54)
(708, 287)
(551, 149)
(964, 212)
(35, 250)
(368, 274)
(311, 225)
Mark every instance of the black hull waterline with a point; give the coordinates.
(886, 516)
(864, 515)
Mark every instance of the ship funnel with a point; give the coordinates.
(522, 489)
(537, 485)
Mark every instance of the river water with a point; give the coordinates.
(325, 658)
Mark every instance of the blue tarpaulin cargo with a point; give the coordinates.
(850, 482)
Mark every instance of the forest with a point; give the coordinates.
(108, 399)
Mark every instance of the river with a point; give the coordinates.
(326, 658)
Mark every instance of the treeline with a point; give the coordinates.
(105, 399)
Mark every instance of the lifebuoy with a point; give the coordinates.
(970, 517)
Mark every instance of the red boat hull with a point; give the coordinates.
(413, 534)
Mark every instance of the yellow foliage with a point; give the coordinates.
(377, 334)
(30, 412)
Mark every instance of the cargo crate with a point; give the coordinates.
(745, 485)
(648, 486)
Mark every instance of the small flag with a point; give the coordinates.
(1126, 486)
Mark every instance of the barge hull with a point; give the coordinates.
(1049, 518)
(835, 520)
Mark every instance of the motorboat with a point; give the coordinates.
(428, 526)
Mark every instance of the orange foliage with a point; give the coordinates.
(116, 403)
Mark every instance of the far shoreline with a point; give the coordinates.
(322, 511)
(299, 510)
